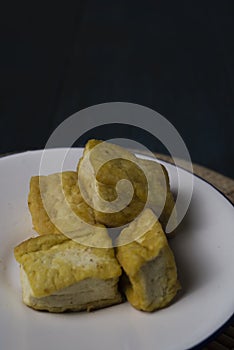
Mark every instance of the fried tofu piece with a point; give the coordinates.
(56, 204)
(58, 274)
(103, 165)
(148, 263)
(159, 179)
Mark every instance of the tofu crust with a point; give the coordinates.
(55, 202)
(122, 164)
(148, 263)
(59, 274)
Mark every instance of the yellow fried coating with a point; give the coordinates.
(103, 165)
(55, 201)
(148, 263)
(54, 262)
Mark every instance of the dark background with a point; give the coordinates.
(173, 56)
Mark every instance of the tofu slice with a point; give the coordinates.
(56, 204)
(148, 263)
(149, 180)
(58, 274)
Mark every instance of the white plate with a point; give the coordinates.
(205, 258)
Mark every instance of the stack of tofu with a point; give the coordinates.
(76, 263)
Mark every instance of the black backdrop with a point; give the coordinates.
(176, 57)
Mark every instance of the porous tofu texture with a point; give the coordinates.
(54, 262)
(88, 294)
